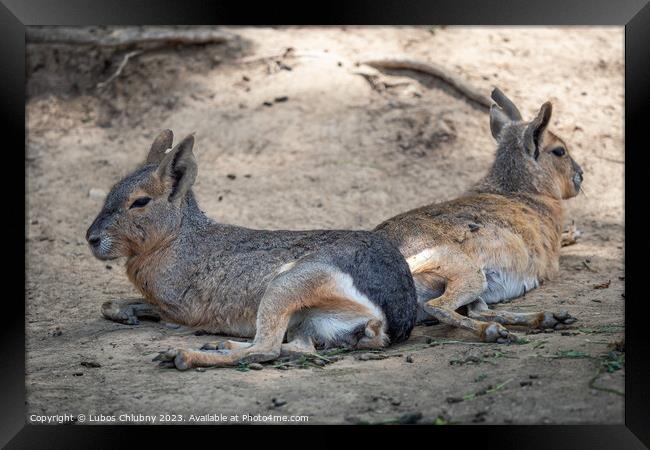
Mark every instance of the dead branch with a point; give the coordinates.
(570, 235)
(126, 37)
(119, 69)
(605, 158)
(436, 71)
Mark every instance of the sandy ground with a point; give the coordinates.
(336, 154)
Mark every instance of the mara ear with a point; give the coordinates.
(160, 145)
(507, 105)
(535, 129)
(498, 119)
(179, 167)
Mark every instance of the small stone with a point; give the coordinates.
(278, 402)
(170, 102)
(199, 369)
(525, 383)
(281, 99)
(97, 193)
(409, 359)
(371, 356)
(255, 366)
(90, 364)
(410, 418)
(454, 399)
(231, 176)
(479, 417)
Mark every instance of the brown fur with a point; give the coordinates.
(508, 227)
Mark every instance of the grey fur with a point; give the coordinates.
(214, 276)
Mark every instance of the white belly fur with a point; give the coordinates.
(329, 326)
(503, 285)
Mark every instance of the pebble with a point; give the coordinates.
(371, 356)
(90, 364)
(255, 366)
(97, 193)
(409, 359)
(410, 418)
(278, 402)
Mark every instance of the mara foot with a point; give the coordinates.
(129, 311)
(555, 321)
(495, 332)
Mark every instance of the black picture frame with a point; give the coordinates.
(15, 15)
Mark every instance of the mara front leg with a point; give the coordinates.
(130, 311)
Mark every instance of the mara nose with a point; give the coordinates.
(92, 236)
(93, 239)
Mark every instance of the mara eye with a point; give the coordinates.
(140, 202)
(559, 151)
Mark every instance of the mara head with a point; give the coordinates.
(145, 208)
(530, 158)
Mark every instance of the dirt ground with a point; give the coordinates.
(336, 153)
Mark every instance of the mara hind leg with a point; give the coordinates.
(298, 345)
(543, 320)
(307, 285)
(129, 311)
(464, 284)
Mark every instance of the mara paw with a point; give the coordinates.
(120, 312)
(172, 358)
(556, 321)
(226, 345)
(495, 332)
